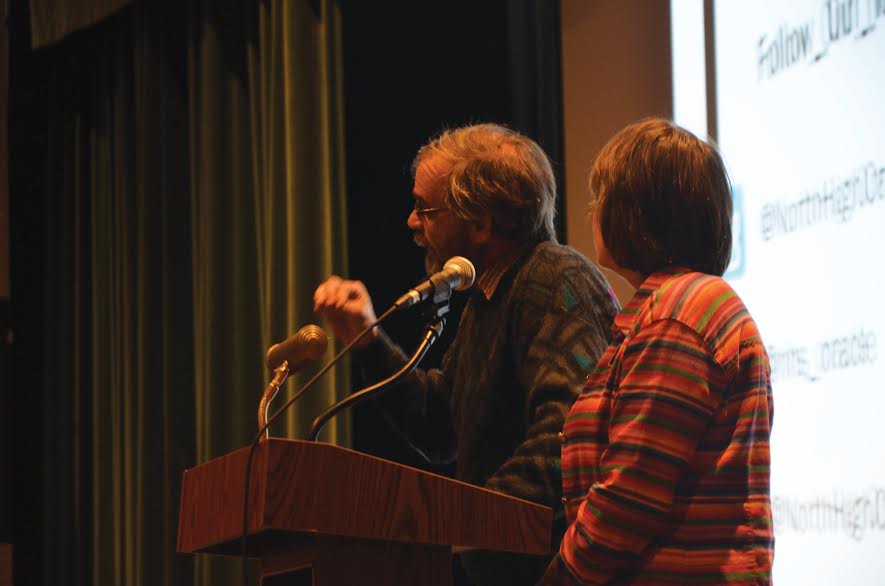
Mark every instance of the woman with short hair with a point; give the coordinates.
(665, 455)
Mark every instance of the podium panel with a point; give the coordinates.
(341, 516)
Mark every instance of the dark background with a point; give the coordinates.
(410, 70)
(28, 106)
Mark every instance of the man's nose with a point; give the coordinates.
(413, 221)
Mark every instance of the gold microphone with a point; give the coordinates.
(308, 343)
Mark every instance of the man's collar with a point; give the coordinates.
(626, 318)
(490, 277)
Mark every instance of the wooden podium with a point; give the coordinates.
(330, 516)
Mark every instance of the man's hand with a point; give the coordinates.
(347, 308)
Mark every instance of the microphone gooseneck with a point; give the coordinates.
(433, 332)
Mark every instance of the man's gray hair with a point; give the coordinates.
(497, 170)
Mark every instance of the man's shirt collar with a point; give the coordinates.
(490, 277)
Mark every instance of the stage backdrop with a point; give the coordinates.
(794, 98)
(616, 69)
(792, 91)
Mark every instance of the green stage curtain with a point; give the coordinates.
(195, 198)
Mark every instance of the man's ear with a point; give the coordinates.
(481, 228)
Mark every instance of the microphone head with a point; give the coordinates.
(466, 270)
(308, 343)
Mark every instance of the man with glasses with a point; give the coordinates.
(534, 326)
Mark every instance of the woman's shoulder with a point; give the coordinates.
(704, 303)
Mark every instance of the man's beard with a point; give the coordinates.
(437, 252)
(432, 263)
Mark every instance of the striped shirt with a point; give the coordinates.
(665, 460)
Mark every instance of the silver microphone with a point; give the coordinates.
(457, 274)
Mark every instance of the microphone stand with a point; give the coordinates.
(431, 334)
(270, 392)
(437, 311)
(263, 431)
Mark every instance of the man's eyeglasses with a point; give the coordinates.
(424, 212)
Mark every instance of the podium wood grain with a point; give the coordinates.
(314, 501)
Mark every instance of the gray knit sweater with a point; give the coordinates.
(517, 364)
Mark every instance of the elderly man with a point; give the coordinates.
(535, 324)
